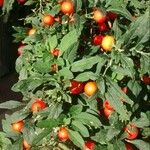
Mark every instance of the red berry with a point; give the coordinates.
(21, 1)
(128, 146)
(97, 39)
(99, 17)
(146, 79)
(76, 87)
(20, 49)
(55, 52)
(103, 27)
(132, 131)
(107, 105)
(108, 112)
(89, 145)
(111, 15)
(125, 89)
(54, 68)
(1, 3)
(38, 105)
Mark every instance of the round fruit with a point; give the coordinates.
(132, 131)
(26, 146)
(111, 15)
(18, 126)
(125, 89)
(20, 49)
(89, 145)
(99, 16)
(38, 105)
(63, 134)
(107, 105)
(21, 1)
(108, 112)
(76, 87)
(97, 39)
(48, 20)
(31, 31)
(67, 7)
(54, 68)
(107, 43)
(55, 52)
(103, 27)
(128, 146)
(146, 79)
(1, 3)
(90, 88)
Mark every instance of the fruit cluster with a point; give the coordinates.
(83, 77)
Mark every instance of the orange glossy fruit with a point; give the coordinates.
(38, 105)
(31, 31)
(48, 20)
(99, 17)
(18, 126)
(90, 88)
(26, 146)
(63, 134)
(67, 7)
(108, 43)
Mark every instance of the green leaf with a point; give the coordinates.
(48, 123)
(78, 126)
(119, 145)
(26, 85)
(112, 132)
(68, 40)
(4, 141)
(17, 145)
(10, 104)
(117, 92)
(141, 145)
(100, 137)
(70, 54)
(128, 65)
(42, 67)
(76, 138)
(52, 41)
(137, 28)
(117, 30)
(85, 63)
(40, 136)
(88, 119)
(85, 76)
(100, 64)
(8, 5)
(66, 73)
(117, 104)
(75, 109)
(145, 64)
(142, 122)
(135, 87)
(101, 84)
